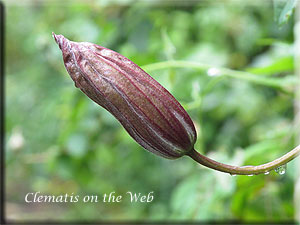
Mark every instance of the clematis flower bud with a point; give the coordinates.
(149, 113)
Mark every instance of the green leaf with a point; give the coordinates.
(281, 65)
(283, 10)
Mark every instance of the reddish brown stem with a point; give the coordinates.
(244, 170)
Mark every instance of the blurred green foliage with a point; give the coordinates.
(283, 10)
(59, 141)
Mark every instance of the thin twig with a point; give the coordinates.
(278, 83)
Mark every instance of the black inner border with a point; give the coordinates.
(2, 63)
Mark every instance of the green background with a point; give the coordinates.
(58, 141)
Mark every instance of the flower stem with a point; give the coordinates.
(282, 84)
(244, 170)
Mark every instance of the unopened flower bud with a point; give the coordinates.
(149, 113)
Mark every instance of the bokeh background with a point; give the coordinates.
(58, 141)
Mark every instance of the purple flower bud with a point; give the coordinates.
(149, 113)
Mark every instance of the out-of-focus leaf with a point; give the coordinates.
(77, 145)
(283, 10)
(281, 65)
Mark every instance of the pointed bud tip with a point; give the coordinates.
(59, 39)
(54, 36)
